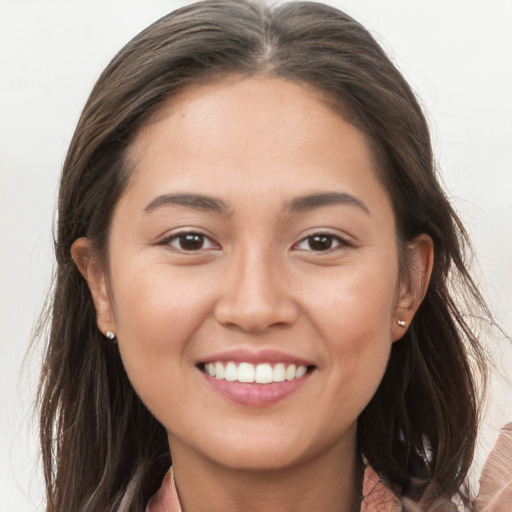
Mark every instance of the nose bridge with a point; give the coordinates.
(255, 296)
(256, 276)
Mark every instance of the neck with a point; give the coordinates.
(328, 483)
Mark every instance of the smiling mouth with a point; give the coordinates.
(264, 373)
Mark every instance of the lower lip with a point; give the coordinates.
(253, 394)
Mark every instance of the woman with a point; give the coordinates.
(253, 258)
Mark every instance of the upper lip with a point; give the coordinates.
(256, 357)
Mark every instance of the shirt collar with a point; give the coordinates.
(376, 496)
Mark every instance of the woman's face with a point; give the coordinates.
(253, 242)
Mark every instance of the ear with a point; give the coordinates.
(86, 260)
(412, 291)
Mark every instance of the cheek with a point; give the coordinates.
(357, 304)
(156, 316)
(157, 303)
(355, 319)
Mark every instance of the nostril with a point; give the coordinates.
(256, 315)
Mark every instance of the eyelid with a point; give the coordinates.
(343, 241)
(175, 235)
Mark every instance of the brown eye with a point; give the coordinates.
(190, 242)
(320, 242)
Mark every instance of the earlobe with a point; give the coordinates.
(86, 260)
(412, 292)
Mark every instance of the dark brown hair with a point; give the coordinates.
(99, 441)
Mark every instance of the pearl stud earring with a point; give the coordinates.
(110, 335)
(401, 323)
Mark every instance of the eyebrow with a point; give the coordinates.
(212, 204)
(310, 202)
(194, 201)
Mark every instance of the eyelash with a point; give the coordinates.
(340, 242)
(180, 237)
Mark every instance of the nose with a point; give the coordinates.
(255, 295)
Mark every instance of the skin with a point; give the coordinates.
(257, 144)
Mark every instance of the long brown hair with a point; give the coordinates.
(99, 442)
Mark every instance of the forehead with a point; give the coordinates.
(250, 134)
(257, 105)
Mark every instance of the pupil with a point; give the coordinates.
(192, 242)
(320, 242)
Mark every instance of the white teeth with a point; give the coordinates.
(264, 374)
(261, 374)
(279, 372)
(231, 372)
(290, 372)
(219, 371)
(301, 371)
(245, 372)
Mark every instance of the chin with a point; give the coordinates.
(262, 453)
(258, 459)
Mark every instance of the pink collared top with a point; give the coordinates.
(495, 485)
(376, 496)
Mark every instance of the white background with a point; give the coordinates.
(456, 54)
